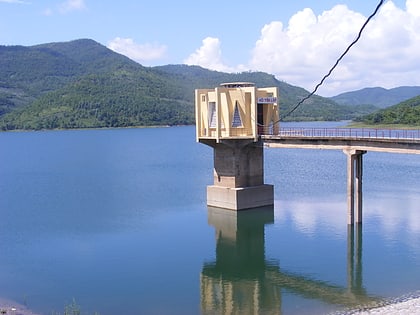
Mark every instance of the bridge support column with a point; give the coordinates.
(354, 258)
(238, 175)
(354, 185)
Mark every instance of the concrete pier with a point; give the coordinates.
(354, 185)
(238, 175)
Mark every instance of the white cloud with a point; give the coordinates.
(301, 54)
(413, 7)
(15, 1)
(141, 53)
(304, 50)
(65, 7)
(209, 56)
(48, 12)
(72, 5)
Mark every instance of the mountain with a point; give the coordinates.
(29, 72)
(404, 113)
(83, 84)
(316, 108)
(378, 96)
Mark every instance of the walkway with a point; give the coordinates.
(381, 140)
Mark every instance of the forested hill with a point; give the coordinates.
(404, 113)
(28, 72)
(378, 96)
(82, 84)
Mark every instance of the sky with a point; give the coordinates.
(297, 41)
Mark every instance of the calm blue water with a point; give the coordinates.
(117, 220)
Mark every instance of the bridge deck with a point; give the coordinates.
(395, 141)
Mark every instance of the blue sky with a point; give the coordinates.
(297, 41)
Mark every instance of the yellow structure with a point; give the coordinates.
(236, 111)
(230, 119)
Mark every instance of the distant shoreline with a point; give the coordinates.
(92, 128)
(351, 124)
(381, 126)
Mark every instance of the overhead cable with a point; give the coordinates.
(337, 62)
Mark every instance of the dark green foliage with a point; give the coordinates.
(118, 99)
(82, 84)
(405, 113)
(377, 96)
(29, 72)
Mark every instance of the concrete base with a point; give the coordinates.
(240, 198)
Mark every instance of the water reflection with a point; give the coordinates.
(237, 282)
(243, 281)
(354, 260)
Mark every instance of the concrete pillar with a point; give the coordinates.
(238, 175)
(350, 257)
(354, 259)
(354, 185)
(358, 186)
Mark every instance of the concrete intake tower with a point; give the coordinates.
(230, 119)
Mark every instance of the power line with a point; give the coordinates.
(338, 60)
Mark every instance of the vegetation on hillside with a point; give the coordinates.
(404, 113)
(26, 73)
(378, 96)
(101, 101)
(82, 84)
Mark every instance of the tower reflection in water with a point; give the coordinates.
(243, 281)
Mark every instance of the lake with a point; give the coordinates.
(117, 220)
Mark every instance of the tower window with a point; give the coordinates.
(212, 114)
(237, 121)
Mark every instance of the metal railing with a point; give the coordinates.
(350, 133)
(299, 132)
